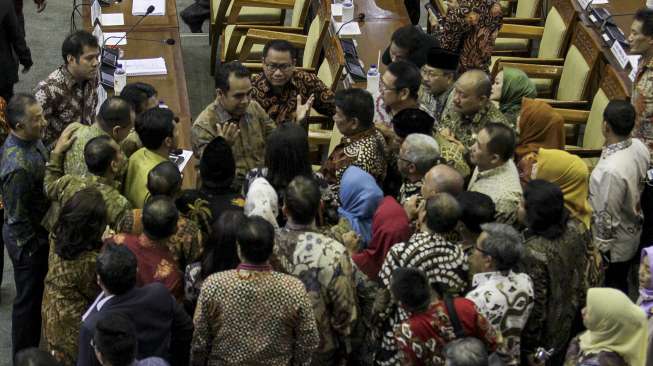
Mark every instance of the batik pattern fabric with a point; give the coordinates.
(65, 100)
(60, 188)
(557, 270)
(453, 155)
(642, 99)
(4, 128)
(422, 337)
(22, 170)
(366, 150)
(74, 162)
(281, 106)
(471, 31)
(464, 128)
(70, 288)
(506, 301)
(576, 357)
(502, 185)
(409, 189)
(284, 333)
(155, 262)
(433, 104)
(325, 268)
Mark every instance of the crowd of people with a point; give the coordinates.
(448, 226)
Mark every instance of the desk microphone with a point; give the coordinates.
(110, 56)
(149, 11)
(168, 41)
(359, 18)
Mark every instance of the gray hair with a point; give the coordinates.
(504, 244)
(466, 352)
(422, 150)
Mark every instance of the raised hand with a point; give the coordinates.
(229, 131)
(303, 109)
(66, 139)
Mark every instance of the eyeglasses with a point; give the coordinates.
(481, 250)
(406, 160)
(384, 88)
(275, 67)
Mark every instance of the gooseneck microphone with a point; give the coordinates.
(359, 18)
(149, 11)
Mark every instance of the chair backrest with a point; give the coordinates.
(315, 38)
(299, 12)
(612, 87)
(580, 62)
(527, 8)
(330, 71)
(557, 30)
(336, 136)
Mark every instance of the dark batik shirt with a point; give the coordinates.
(281, 106)
(22, 169)
(64, 101)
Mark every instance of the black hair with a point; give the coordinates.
(645, 15)
(442, 213)
(223, 72)
(411, 287)
(154, 126)
(115, 339)
(17, 108)
(356, 103)
(137, 94)
(75, 42)
(116, 266)
(80, 225)
(34, 357)
(99, 152)
(164, 179)
(407, 76)
(620, 116)
(160, 217)
(280, 45)
(302, 199)
(286, 155)
(412, 120)
(502, 140)
(476, 209)
(255, 239)
(408, 37)
(220, 253)
(217, 165)
(115, 111)
(546, 215)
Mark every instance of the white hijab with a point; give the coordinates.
(262, 200)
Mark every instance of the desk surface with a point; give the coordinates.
(169, 20)
(381, 9)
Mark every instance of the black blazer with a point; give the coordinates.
(163, 328)
(13, 48)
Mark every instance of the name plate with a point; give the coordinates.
(620, 54)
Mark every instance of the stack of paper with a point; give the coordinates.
(112, 19)
(348, 30)
(139, 7)
(145, 66)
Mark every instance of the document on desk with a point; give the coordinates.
(112, 19)
(112, 38)
(145, 66)
(348, 30)
(336, 10)
(139, 7)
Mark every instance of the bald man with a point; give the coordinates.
(439, 179)
(469, 108)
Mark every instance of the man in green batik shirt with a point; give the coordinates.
(438, 77)
(104, 160)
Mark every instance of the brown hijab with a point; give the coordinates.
(539, 126)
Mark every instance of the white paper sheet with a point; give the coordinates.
(112, 38)
(139, 7)
(145, 66)
(336, 10)
(101, 97)
(112, 19)
(350, 29)
(182, 159)
(96, 11)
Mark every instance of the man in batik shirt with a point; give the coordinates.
(69, 94)
(470, 109)
(279, 86)
(279, 328)
(470, 28)
(438, 76)
(323, 265)
(362, 144)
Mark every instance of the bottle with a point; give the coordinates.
(347, 11)
(119, 79)
(373, 80)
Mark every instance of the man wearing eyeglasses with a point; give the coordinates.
(277, 88)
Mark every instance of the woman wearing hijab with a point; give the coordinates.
(645, 300)
(359, 198)
(262, 200)
(390, 225)
(540, 126)
(616, 332)
(510, 86)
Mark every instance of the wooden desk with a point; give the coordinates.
(169, 20)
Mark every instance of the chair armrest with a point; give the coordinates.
(319, 137)
(584, 153)
(239, 4)
(566, 104)
(525, 60)
(536, 70)
(573, 116)
(276, 28)
(260, 36)
(321, 120)
(523, 21)
(521, 31)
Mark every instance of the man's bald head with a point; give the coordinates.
(478, 81)
(442, 179)
(471, 91)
